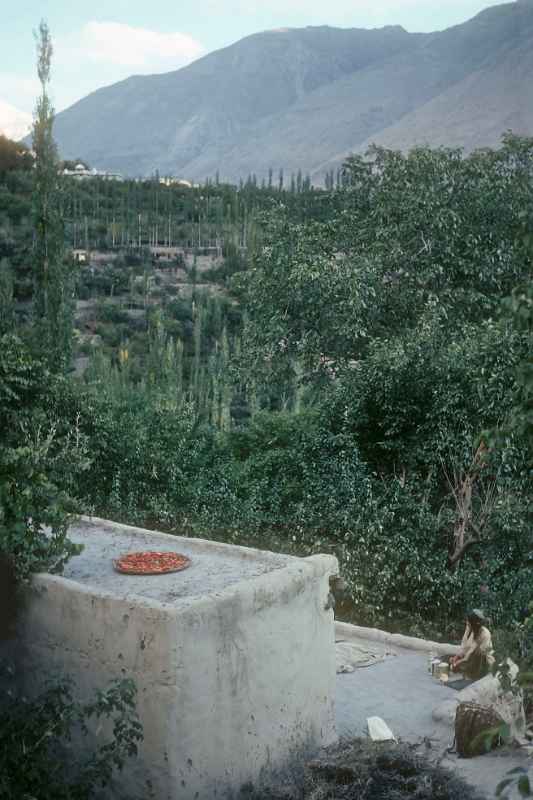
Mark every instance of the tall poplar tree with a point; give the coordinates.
(53, 298)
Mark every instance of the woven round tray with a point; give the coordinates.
(151, 562)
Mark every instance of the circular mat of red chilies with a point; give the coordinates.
(150, 562)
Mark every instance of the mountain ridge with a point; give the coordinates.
(305, 98)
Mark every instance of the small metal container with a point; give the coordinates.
(442, 671)
(434, 664)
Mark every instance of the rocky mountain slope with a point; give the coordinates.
(306, 98)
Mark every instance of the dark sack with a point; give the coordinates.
(472, 721)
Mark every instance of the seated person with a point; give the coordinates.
(476, 655)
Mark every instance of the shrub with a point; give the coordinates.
(39, 455)
(36, 734)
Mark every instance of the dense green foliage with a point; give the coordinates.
(38, 453)
(36, 734)
(358, 382)
(408, 241)
(13, 156)
(105, 214)
(519, 308)
(392, 309)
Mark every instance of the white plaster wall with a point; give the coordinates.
(347, 632)
(231, 688)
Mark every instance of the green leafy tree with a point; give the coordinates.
(40, 454)
(13, 155)
(389, 306)
(519, 309)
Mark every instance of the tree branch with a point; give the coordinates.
(457, 556)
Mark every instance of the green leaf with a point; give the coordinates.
(524, 786)
(503, 785)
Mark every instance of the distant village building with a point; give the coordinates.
(81, 172)
(81, 256)
(166, 252)
(171, 180)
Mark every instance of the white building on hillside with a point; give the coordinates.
(81, 172)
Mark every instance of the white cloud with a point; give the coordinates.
(19, 90)
(114, 43)
(14, 123)
(102, 53)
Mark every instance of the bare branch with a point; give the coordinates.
(463, 486)
(457, 556)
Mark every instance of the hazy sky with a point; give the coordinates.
(98, 42)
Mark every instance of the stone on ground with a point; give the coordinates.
(379, 731)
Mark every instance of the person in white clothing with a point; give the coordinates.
(476, 655)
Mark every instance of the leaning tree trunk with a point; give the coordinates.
(468, 527)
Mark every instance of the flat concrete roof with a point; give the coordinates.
(214, 566)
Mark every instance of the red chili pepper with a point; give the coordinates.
(151, 563)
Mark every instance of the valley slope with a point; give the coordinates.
(306, 98)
